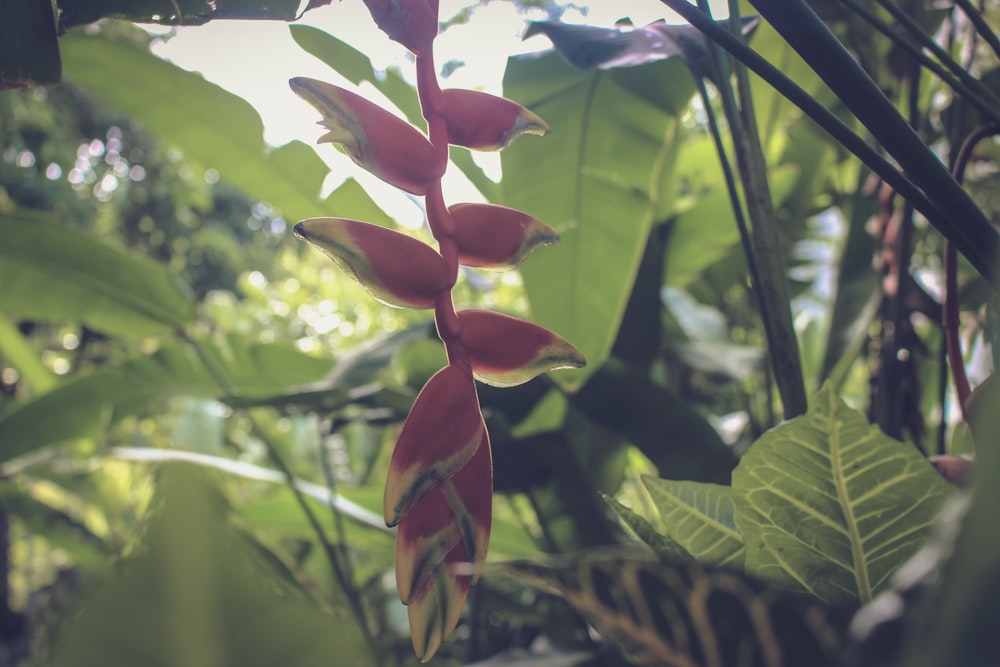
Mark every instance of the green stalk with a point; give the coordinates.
(964, 223)
(918, 33)
(979, 245)
(982, 27)
(973, 92)
(764, 251)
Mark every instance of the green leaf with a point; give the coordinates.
(82, 405)
(17, 351)
(698, 517)
(356, 67)
(658, 541)
(211, 125)
(707, 232)
(828, 504)
(53, 272)
(29, 47)
(200, 593)
(599, 179)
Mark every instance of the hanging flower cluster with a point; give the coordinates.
(440, 483)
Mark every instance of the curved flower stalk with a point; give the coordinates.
(440, 483)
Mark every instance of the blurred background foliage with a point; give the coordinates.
(171, 358)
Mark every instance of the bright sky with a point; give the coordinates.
(255, 59)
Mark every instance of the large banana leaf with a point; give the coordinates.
(601, 178)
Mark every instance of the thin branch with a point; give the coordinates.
(951, 317)
(972, 93)
(350, 591)
(982, 27)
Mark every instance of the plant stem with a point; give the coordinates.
(761, 244)
(964, 223)
(350, 591)
(972, 91)
(951, 318)
(982, 27)
(917, 32)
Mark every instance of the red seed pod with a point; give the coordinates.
(956, 469)
(441, 434)
(507, 351)
(496, 237)
(412, 23)
(374, 138)
(396, 269)
(486, 122)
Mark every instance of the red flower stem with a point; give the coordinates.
(950, 322)
(438, 217)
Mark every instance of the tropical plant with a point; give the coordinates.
(698, 197)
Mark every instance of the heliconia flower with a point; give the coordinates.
(440, 550)
(412, 23)
(486, 122)
(396, 269)
(496, 237)
(436, 607)
(507, 351)
(441, 434)
(374, 138)
(459, 509)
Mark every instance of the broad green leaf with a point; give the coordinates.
(53, 272)
(828, 504)
(82, 405)
(356, 67)
(698, 517)
(200, 593)
(599, 179)
(212, 126)
(351, 200)
(707, 232)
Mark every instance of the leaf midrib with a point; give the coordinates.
(850, 522)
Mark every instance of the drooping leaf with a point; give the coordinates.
(699, 517)
(599, 179)
(685, 615)
(82, 405)
(828, 504)
(56, 273)
(627, 46)
(212, 126)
